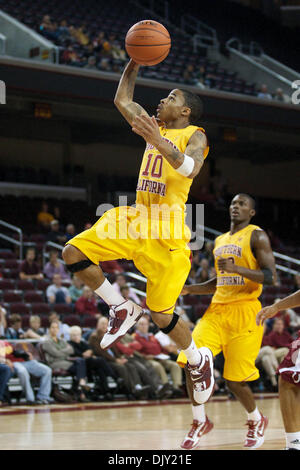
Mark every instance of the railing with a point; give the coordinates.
(19, 242)
(203, 35)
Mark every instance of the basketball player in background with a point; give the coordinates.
(289, 375)
(244, 262)
(174, 154)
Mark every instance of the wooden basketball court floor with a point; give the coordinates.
(132, 425)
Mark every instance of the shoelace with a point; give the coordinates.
(193, 429)
(251, 430)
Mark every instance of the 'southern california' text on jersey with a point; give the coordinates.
(159, 183)
(232, 287)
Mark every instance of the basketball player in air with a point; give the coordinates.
(174, 154)
(289, 375)
(244, 262)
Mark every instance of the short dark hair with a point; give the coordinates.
(195, 104)
(250, 199)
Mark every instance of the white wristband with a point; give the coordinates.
(186, 168)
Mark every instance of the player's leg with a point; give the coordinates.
(289, 397)
(243, 343)
(82, 255)
(206, 333)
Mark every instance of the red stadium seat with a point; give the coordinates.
(11, 264)
(10, 273)
(24, 285)
(34, 296)
(7, 254)
(21, 308)
(72, 320)
(191, 299)
(42, 284)
(7, 284)
(13, 296)
(63, 309)
(89, 321)
(40, 308)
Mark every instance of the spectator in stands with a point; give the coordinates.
(63, 31)
(87, 225)
(279, 339)
(202, 273)
(76, 289)
(129, 347)
(70, 56)
(126, 292)
(104, 64)
(189, 75)
(120, 282)
(63, 330)
(47, 28)
(129, 374)
(44, 218)
(87, 303)
(29, 268)
(3, 322)
(91, 63)
(70, 231)
(280, 96)
(55, 266)
(24, 366)
(98, 42)
(296, 282)
(35, 331)
(58, 355)
(180, 311)
(6, 372)
(55, 235)
(153, 351)
(94, 365)
(111, 267)
(192, 279)
(290, 318)
(208, 252)
(56, 293)
(200, 75)
(263, 93)
(15, 331)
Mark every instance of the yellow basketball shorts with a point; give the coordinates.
(231, 328)
(164, 262)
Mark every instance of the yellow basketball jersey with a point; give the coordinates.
(159, 183)
(232, 287)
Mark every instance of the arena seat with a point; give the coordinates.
(40, 308)
(34, 296)
(20, 308)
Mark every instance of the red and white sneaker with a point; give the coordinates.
(122, 318)
(255, 435)
(202, 376)
(197, 430)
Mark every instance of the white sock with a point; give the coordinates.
(254, 415)
(107, 292)
(199, 413)
(293, 440)
(192, 354)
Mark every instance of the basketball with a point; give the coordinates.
(148, 42)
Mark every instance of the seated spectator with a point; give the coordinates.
(263, 93)
(87, 303)
(121, 281)
(35, 331)
(29, 268)
(76, 289)
(91, 63)
(202, 273)
(189, 75)
(94, 365)
(63, 31)
(15, 331)
(290, 318)
(24, 365)
(47, 28)
(167, 344)
(44, 218)
(111, 267)
(98, 42)
(6, 372)
(180, 311)
(120, 365)
(129, 347)
(104, 64)
(56, 293)
(280, 96)
(55, 235)
(126, 292)
(70, 56)
(208, 253)
(70, 231)
(63, 328)
(192, 279)
(3, 322)
(55, 266)
(200, 75)
(58, 355)
(152, 350)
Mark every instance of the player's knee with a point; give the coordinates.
(233, 386)
(71, 255)
(161, 320)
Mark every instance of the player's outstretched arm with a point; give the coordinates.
(148, 128)
(291, 301)
(124, 95)
(262, 250)
(205, 288)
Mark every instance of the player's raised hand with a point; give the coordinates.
(147, 127)
(265, 313)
